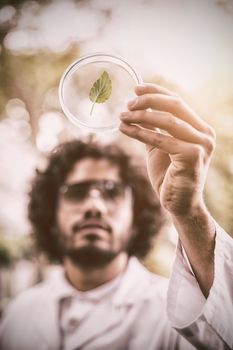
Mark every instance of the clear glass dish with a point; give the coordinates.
(95, 89)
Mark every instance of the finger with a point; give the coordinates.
(165, 121)
(173, 105)
(149, 88)
(166, 143)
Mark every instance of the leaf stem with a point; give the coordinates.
(92, 108)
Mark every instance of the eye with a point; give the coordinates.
(113, 190)
(76, 192)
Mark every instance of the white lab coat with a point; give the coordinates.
(208, 324)
(135, 318)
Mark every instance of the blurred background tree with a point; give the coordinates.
(185, 45)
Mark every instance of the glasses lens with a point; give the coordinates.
(75, 192)
(109, 190)
(112, 190)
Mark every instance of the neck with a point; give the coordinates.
(87, 279)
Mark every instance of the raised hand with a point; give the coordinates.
(178, 161)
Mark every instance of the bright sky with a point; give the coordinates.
(185, 41)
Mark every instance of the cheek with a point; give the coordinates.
(64, 215)
(123, 221)
(61, 222)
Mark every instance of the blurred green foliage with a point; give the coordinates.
(23, 74)
(12, 250)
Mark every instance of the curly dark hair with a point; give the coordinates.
(148, 215)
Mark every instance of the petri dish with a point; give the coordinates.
(95, 89)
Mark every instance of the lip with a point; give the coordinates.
(90, 224)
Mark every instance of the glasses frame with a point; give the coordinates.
(94, 185)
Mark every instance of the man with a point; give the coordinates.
(94, 211)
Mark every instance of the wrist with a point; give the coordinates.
(196, 209)
(195, 222)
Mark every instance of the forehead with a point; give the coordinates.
(93, 169)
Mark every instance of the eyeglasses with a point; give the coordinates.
(109, 190)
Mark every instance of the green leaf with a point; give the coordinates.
(101, 90)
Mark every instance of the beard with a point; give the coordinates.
(90, 256)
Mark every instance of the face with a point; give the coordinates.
(94, 214)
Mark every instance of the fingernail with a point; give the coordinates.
(123, 115)
(132, 103)
(122, 126)
(141, 86)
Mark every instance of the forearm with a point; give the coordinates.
(197, 234)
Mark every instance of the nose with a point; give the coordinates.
(94, 205)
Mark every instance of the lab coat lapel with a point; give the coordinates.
(102, 319)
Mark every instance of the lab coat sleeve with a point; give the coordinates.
(205, 323)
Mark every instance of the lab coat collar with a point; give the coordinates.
(127, 293)
(130, 290)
